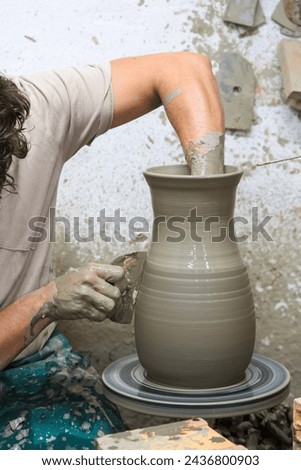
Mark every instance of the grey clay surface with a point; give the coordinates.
(194, 317)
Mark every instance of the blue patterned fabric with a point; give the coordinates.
(53, 400)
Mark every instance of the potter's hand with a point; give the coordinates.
(205, 156)
(86, 292)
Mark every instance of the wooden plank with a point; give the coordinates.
(297, 424)
(289, 54)
(190, 434)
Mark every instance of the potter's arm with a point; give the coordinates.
(15, 321)
(84, 293)
(184, 83)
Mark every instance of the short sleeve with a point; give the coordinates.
(75, 104)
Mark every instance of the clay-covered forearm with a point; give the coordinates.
(191, 98)
(87, 292)
(17, 326)
(184, 83)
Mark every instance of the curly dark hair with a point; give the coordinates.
(14, 109)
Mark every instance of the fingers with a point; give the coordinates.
(106, 289)
(100, 277)
(107, 272)
(101, 302)
(101, 306)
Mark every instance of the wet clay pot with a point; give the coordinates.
(194, 316)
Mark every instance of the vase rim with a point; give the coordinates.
(181, 171)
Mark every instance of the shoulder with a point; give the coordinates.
(74, 104)
(60, 83)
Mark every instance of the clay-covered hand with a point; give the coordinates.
(88, 292)
(205, 156)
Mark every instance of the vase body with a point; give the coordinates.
(194, 316)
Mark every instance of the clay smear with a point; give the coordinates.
(205, 156)
(171, 97)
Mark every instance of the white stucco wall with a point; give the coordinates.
(37, 35)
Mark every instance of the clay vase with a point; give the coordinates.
(194, 316)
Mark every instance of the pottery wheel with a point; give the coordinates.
(266, 384)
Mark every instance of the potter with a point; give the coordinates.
(194, 317)
(88, 100)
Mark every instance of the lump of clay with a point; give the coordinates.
(292, 10)
(237, 83)
(245, 15)
(288, 27)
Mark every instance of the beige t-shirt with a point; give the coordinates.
(69, 108)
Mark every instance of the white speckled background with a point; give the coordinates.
(36, 35)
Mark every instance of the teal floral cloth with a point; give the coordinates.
(53, 400)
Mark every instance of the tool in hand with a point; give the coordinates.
(133, 264)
